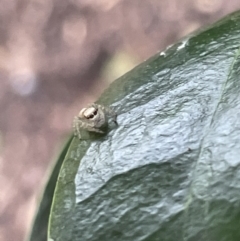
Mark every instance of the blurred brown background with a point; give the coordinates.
(58, 55)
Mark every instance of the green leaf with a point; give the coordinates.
(38, 230)
(171, 169)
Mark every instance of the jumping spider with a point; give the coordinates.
(93, 118)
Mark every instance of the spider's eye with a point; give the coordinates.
(89, 113)
(90, 116)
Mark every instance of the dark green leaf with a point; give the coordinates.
(170, 170)
(39, 228)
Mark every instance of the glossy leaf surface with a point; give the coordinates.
(170, 170)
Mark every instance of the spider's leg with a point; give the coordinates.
(76, 127)
(91, 128)
(111, 113)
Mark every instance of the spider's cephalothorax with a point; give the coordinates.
(93, 118)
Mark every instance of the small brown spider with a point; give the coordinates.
(93, 118)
